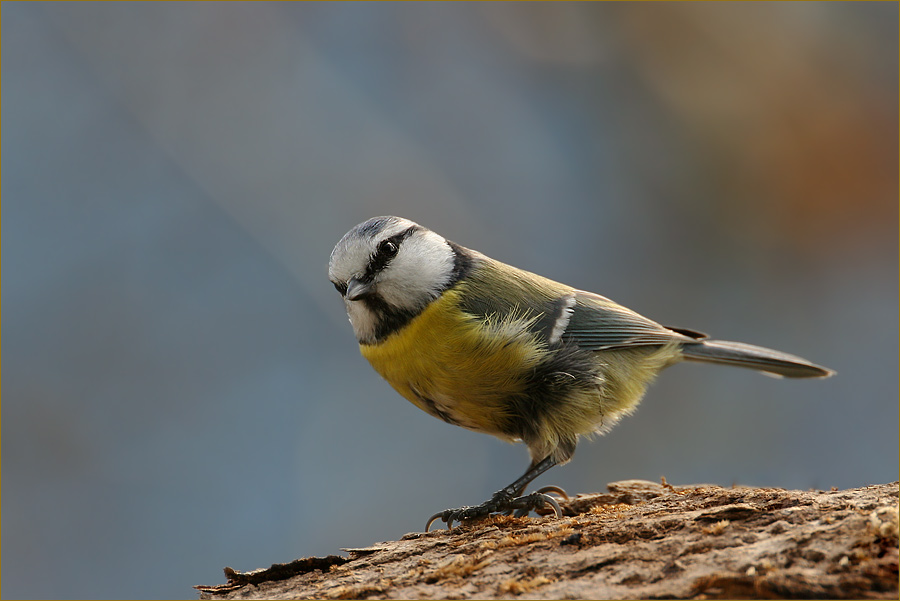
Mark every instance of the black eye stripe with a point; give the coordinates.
(387, 250)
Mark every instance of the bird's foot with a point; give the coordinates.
(502, 502)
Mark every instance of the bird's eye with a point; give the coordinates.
(340, 287)
(388, 249)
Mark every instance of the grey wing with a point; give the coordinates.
(597, 324)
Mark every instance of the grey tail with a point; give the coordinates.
(753, 357)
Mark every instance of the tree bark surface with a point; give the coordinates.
(640, 540)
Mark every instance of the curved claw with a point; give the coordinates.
(501, 503)
(554, 489)
(535, 501)
(432, 519)
(554, 504)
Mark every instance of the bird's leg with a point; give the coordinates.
(507, 499)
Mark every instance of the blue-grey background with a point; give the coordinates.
(181, 388)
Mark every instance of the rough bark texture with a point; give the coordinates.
(642, 540)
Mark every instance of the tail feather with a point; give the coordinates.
(753, 357)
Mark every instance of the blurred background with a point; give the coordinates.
(181, 388)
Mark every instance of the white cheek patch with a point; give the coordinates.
(418, 273)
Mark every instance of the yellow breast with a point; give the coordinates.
(459, 367)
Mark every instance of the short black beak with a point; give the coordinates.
(357, 289)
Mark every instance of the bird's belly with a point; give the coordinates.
(457, 367)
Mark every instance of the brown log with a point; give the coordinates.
(640, 540)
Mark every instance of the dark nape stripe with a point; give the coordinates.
(462, 263)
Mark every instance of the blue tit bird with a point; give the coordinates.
(495, 349)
